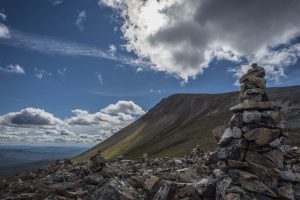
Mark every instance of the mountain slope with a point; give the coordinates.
(180, 122)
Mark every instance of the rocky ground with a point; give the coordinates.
(197, 176)
(252, 161)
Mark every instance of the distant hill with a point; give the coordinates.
(180, 122)
(17, 159)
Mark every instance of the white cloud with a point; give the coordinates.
(4, 31)
(127, 107)
(2, 16)
(29, 117)
(99, 77)
(56, 2)
(112, 49)
(41, 73)
(53, 46)
(15, 69)
(182, 37)
(81, 17)
(62, 71)
(35, 125)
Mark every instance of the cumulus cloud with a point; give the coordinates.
(14, 69)
(127, 107)
(182, 37)
(29, 117)
(81, 17)
(35, 125)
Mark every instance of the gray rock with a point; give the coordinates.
(206, 187)
(165, 191)
(222, 186)
(226, 137)
(251, 116)
(286, 192)
(237, 132)
(289, 176)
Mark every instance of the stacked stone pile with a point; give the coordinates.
(251, 153)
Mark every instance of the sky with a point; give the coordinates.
(76, 72)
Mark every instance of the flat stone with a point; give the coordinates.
(251, 116)
(265, 174)
(257, 186)
(252, 105)
(186, 175)
(240, 175)
(257, 81)
(151, 182)
(237, 132)
(237, 164)
(276, 157)
(258, 159)
(286, 192)
(206, 187)
(289, 176)
(262, 136)
(272, 117)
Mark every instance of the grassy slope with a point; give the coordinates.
(180, 122)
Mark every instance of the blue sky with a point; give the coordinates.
(72, 55)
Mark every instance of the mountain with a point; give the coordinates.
(180, 122)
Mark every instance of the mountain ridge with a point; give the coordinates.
(181, 121)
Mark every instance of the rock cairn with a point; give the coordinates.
(250, 153)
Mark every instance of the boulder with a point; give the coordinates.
(237, 132)
(289, 176)
(206, 187)
(252, 105)
(115, 190)
(222, 186)
(240, 175)
(276, 157)
(237, 164)
(186, 175)
(166, 191)
(262, 136)
(226, 137)
(236, 120)
(257, 186)
(286, 192)
(251, 117)
(235, 150)
(151, 182)
(258, 159)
